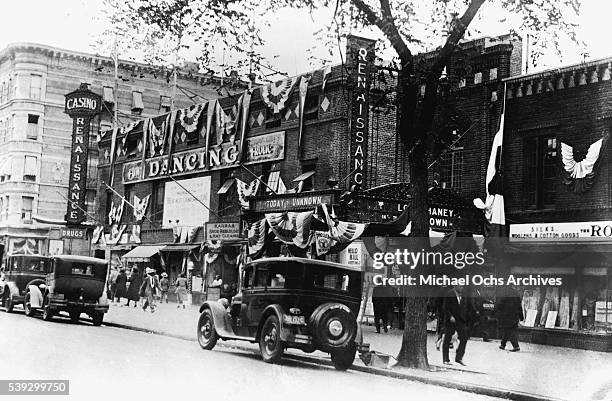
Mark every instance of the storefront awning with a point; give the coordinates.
(142, 253)
(180, 247)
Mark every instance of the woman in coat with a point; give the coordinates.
(120, 285)
(133, 291)
(509, 312)
(181, 290)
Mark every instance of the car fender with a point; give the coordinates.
(221, 319)
(36, 296)
(13, 290)
(277, 310)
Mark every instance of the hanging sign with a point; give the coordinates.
(295, 202)
(82, 105)
(573, 231)
(223, 231)
(360, 59)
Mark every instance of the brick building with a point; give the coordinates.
(35, 133)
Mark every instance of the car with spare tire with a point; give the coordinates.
(20, 272)
(290, 302)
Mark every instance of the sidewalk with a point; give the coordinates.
(540, 370)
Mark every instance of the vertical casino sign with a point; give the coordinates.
(360, 60)
(82, 106)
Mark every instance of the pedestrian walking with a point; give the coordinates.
(164, 283)
(181, 290)
(509, 312)
(120, 286)
(150, 289)
(456, 310)
(382, 300)
(133, 291)
(112, 284)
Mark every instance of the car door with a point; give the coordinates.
(256, 298)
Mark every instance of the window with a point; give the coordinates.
(478, 77)
(10, 127)
(32, 131)
(29, 169)
(492, 74)
(137, 105)
(5, 169)
(165, 104)
(305, 180)
(157, 209)
(451, 168)
(272, 120)
(26, 209)
(5, 207)
(108, 95)
(4, 92)
(541, 170)
(2, 131)
(273, 181)
(35, 86)
(311, 107)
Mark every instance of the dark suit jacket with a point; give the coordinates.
(460, 311)
(146, 289)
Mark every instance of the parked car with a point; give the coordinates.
(21, 272)
(75, 284)
(290, 303)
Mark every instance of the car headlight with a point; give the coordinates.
(335, 327)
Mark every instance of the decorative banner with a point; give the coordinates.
(115, 234)
(140, 207)
(81, 105)
(304, 80)
(244, 117)
(326, 74)
(245, 191)
(557, 232)
(98, 233)
(223, 231)
(190, 117)
(276, 95)
(135, 235)
(360, 59)
(115, 213)
(579, 175)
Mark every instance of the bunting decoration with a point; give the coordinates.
(246, 190)
(292, 228)
(135, 235)
(116, 233)
(326, 74)
(580, 175)
(244, 114)
(190, 117)
(304, 80)
(97, 233)
(157, 136)
(115, 213)
(140, 207)
(257, 236)
(342, 231)
(276, 95)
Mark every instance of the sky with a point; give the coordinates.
(75, 25)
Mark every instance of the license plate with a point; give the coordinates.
(294, 319)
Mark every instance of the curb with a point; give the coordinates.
(413, 376)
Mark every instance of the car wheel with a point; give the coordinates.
(7, 301)
(97, 318)
(207, 335)
(343, 360)
(47, 311)
(334, 329)
(74, 316)
(27, 305)
(270, 344)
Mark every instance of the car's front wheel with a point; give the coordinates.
(344, 359)
(270, 344)
(27, 305)
(7, 302)
(207, 335)
(47, 311)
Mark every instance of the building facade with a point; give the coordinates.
(35, 133)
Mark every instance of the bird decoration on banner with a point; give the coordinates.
(140, 207)
(157, 137)
(246, 190)
(580, 175)
(190, 117)
(275, 95)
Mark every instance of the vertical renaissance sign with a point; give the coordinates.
(360, 59)
(81, 105)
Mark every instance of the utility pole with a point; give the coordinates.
(115, 58)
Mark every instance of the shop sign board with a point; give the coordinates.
(223, 231)
(73, 232)
(181, 208)
(552, 232)
(82, 105)
(360, 60)
(352, 255)
(259, 149)
(302, 201)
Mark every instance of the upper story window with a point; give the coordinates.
(305, 180)
(451, 169)
(157, 204)
(108, 95)
(4, 92)
(137, 104)
(29, 168)
(27, 203)
(541, 170)
(492, 74)
(311, 107)
(32, 131)
(35, 86)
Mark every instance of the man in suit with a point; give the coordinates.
(150, 288)
(457, 310)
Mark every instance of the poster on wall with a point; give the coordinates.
(352, 255)
(180, 206)
(56, 247)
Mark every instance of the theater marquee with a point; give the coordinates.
(259, 149)
(82, 105)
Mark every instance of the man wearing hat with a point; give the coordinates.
(165, 286)
(150, 288)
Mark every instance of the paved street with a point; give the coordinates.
(555, 372)
(104, 362)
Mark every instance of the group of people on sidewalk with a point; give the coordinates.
(147, 289)
(458, 311)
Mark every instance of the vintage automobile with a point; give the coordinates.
(75, 284)
(20, 273)
(290, 303)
